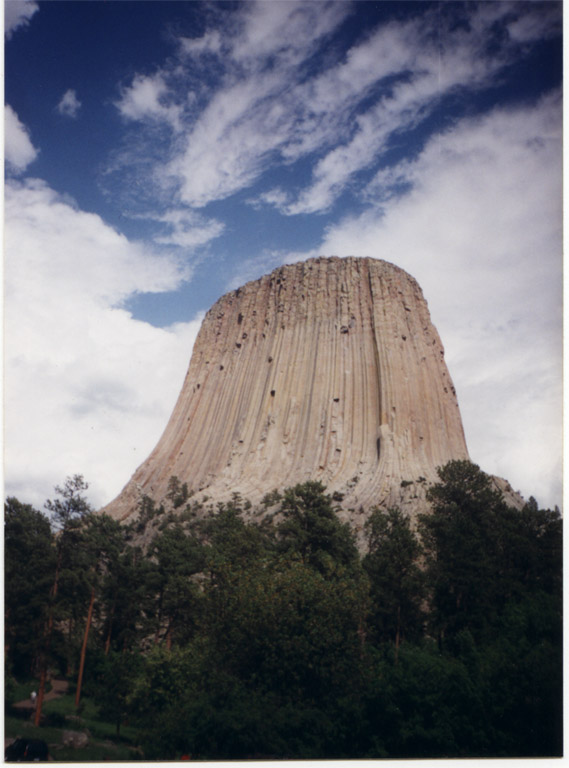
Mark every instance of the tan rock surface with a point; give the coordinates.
(328, 369)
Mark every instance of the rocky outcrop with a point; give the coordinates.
(328, 369)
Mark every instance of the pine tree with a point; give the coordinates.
(396, 580)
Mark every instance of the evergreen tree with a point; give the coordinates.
(29, 566)
(311, 529)
(463, 558)
(71, 506)
(102, 543)
(495, 582)
(396, 580)
(176, 557)
(67, 512)
(127, 600)
(278, 641)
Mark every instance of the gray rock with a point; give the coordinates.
(75, 739)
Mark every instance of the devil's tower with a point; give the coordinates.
(329, 370)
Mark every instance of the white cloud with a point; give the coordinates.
(227, 150)
(426, 69)
(273, 105)
(88, 389)
(145, 99)
(535, 26)
(288, 31)
(278, 198)
(187, 229)
(17, 13)
(231, 130)
(69, 104)
(18, 148)
(480, 229)
(210, 43)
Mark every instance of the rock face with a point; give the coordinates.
(328, 370)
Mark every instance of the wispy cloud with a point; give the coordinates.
(187, 229)
(249, 117)
(265, 86)
(69, 105)
(225, 91)
(18, 149)
(420, 63)
(17, 13)
(77, 360)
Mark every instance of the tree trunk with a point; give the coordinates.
(109, 633)
(41, 691)
(169, 637)
(159, 621)
(43, 672)
(362, 636)
(84, 648)
(398, 635)
(69, 666)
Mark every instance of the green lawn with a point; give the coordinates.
(61, 715)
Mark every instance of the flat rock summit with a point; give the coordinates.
(329, 370)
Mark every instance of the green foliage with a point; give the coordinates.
(112, 680)
(10, 687)
(397, 585)
(72, 504)
(148, 511)
(174, 558)
(29, 565)
(482, 554)
(177, 493)
(312, 530)
(226, 639)
(231, 541)
(434, 710)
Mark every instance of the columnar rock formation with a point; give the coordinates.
(329, 369)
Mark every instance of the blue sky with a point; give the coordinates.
(161, 153)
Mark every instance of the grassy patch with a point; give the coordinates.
(88, 718)
(103, 741)
(22, 691)
(94, 753)
(14, 726)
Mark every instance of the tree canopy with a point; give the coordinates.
(227, 638)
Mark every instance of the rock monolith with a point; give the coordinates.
(329, 370)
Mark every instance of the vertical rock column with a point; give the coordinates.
(328, 369)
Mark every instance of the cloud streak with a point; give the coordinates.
(280, 99)
(19, 151)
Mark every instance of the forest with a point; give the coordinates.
(233, 632)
